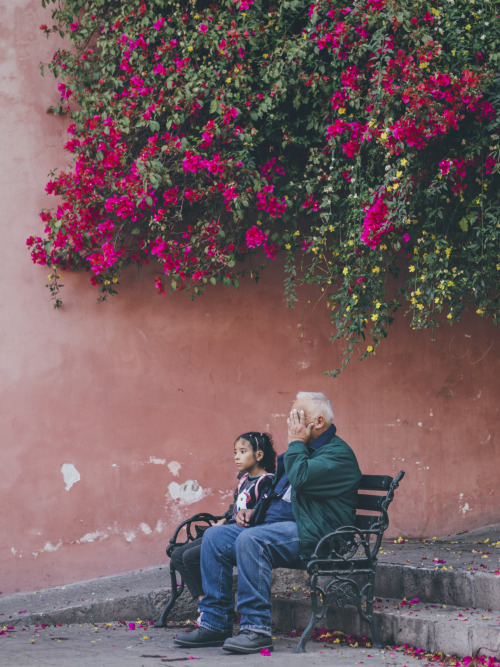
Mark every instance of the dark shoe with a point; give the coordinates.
(201, 637)
(248, 641)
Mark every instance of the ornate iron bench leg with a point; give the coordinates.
(367, 614)
(372, 620)
(176, 592)
(316, 615)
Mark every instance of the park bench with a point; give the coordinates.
(341, 569)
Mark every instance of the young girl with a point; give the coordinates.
(255, 460)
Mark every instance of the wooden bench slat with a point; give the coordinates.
(375, 482)
(369, 502)
(366, 521)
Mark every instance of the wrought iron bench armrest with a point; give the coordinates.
(187, 525)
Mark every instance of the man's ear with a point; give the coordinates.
(320, 421)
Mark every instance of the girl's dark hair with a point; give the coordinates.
(264, 442)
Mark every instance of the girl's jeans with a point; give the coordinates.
(255, 551)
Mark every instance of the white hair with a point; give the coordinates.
(321, 403)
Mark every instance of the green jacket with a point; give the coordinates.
(324, 483)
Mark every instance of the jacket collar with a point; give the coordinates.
(325, 437)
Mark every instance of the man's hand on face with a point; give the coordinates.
(243, 518)
(297, 427)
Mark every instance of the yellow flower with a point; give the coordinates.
(468, 26)
(190, 48)
(377, 305)
(374, 317)
(449, 316)
(395, 186)
(404, 162)
(288, 246)
(296, 233)
(480, 311)
(331, 228)
(369, 348)
(345, 270)
(115, 280)
(265, 55)
(411, 269)
(453, 52)
(399, 174)
(228, 80)
(351, 243)
(376, 269)
(383, 136)
(341, 111)
(259, 222)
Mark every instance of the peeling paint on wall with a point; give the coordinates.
(464, 508)
(50, 548)
(174, 467)
(187, 493)
(158, 462)
(129, 536)
(70, 475)
(145, 529)
(91, 537)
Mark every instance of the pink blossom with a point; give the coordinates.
(74, 26)
(243, 4)
(203, 27)
(376, 222)
(271, 249)
(255, 237)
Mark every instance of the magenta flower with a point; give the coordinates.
(203, 27)
(255, 237)
(74, 26)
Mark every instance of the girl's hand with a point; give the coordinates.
(220, 522)
(243, 518)
(297, 427)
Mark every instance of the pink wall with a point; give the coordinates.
(147, 393)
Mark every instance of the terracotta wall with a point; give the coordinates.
(118, 420)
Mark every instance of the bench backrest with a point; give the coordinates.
(371, 508)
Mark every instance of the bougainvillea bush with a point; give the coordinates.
(359, 140)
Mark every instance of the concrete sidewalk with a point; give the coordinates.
(114, 645)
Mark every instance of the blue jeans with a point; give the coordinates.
(255, 551)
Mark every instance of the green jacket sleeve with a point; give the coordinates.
(332, 469)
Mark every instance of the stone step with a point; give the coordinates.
(461, 588)
(432, 627)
